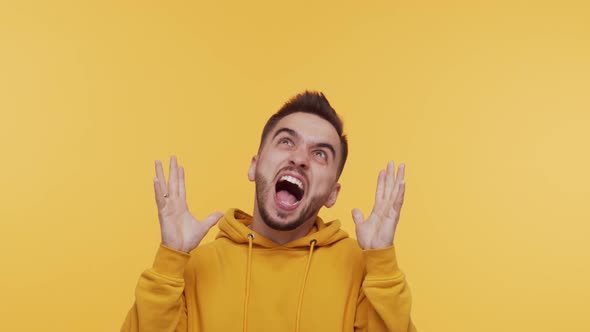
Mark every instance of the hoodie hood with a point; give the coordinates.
(234, 226)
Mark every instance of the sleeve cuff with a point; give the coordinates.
(381, 262)
(170, 262)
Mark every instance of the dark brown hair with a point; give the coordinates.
(314, 103)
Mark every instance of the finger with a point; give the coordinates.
(399, 201)
(181, 183)
(380, 187)
(389, 183)
(160, 201)
(212, 219)
(401, 171)
(173, 177)
(398, 180)
(161, 178)
(357, 216)
(379, 206)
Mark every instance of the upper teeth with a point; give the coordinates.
(292, 180)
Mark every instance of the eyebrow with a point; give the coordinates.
(296, 135)
(286, 130)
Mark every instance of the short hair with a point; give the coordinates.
(312, 102)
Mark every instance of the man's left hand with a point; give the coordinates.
(378, 231)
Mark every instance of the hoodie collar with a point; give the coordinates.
(234, 226)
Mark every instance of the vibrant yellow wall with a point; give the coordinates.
(489, 106)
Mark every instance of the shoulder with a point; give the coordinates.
(217, 245)
(341, 258)
(346, 247)
(349, 245)
(208, 258)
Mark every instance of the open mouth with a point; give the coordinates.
(289, 191)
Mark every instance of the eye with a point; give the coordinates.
(286, 141)
(320, 153)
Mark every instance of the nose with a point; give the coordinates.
(299, 158)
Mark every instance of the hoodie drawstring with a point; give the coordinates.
(248, 273)
(312, 245)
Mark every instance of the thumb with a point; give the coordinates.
(212, 219)
(357, 216)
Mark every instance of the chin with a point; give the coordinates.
(281, 221)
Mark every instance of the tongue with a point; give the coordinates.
(286, 197)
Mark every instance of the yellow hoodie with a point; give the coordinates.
(244, 282)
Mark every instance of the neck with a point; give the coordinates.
(280, 237)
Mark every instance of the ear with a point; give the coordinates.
(333, 195)
(252, 169)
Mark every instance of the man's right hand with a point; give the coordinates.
(179, 229)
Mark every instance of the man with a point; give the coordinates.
(283, 268)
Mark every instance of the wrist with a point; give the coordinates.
(381, 262)
(170, 262)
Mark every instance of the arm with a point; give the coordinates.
(385, 301)
(160, 303)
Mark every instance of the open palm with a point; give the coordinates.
(179, 229)
(378, 230)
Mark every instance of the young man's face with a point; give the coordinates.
(296, 170)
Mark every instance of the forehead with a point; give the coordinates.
(311, 128)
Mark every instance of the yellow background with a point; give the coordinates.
(488, 105)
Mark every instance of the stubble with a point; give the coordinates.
(265, 189)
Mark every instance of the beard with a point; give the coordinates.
(264, 189)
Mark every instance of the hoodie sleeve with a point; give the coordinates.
(385, 301)
(160, 304)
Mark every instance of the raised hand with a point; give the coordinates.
(378, 231)
(179, 229)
